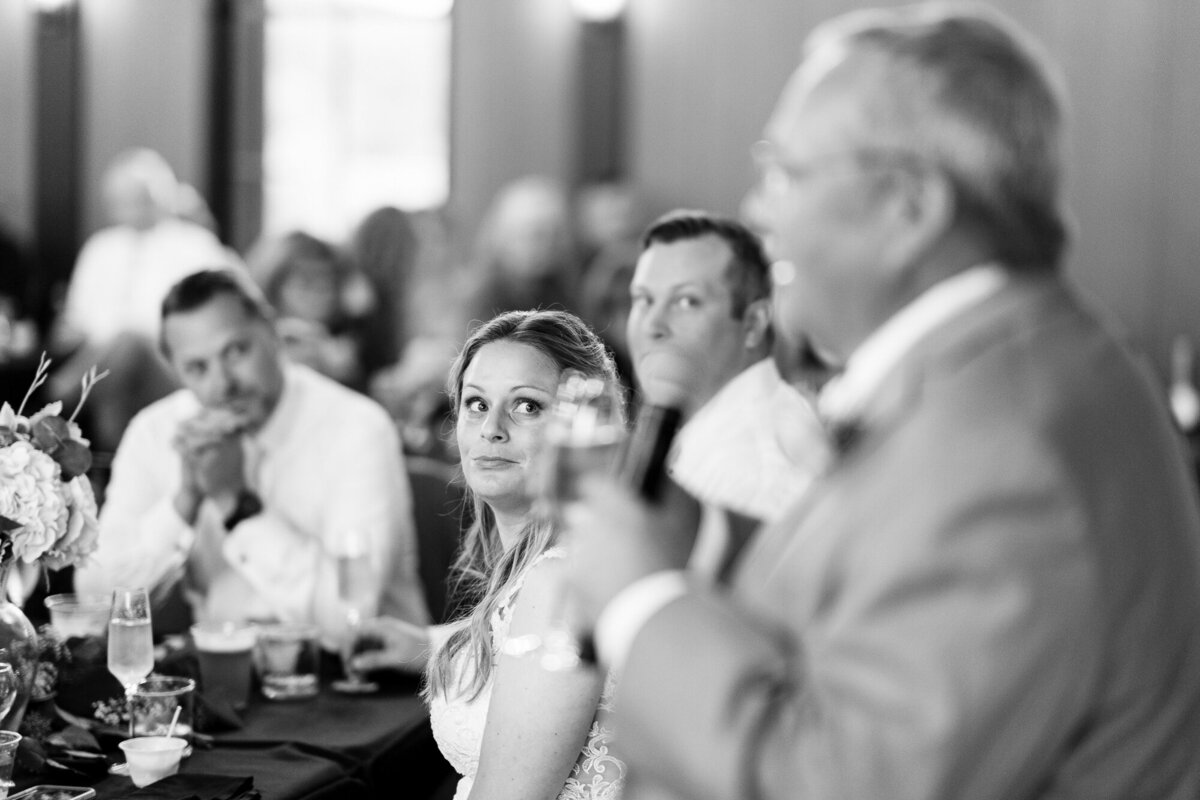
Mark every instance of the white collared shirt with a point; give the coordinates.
(326, 462)
(846, 395)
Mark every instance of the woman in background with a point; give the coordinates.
(305, 280)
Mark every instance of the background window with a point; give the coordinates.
(356, 110)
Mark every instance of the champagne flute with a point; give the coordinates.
(357, 597)
(583, 436)
(130, 644)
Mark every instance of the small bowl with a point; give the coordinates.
(78, 614)
(152, 758)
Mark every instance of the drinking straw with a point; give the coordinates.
(174, 720)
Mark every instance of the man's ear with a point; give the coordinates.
(756, 322)
(921, 212)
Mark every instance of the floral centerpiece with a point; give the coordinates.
(47, 512)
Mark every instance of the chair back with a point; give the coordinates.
(438, 516)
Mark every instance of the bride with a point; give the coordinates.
(511, 728)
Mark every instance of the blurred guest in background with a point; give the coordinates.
(18, 327)
(993, 590)
(305, 279)
(607, 214)
(242, 485)
(604, 303)
(511, 728)
(609, 219)
(525, 252)
(406, 355)
(110, 316)
(701, 338)
(383, 249)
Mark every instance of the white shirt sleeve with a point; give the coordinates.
(143, 541)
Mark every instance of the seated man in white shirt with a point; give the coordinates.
(700, 337)
(246, 484)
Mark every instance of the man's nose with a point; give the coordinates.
(655, 323)
(219, 386)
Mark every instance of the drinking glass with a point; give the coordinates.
(356, 596)
(130, 643)
(583, 436)
(8, 688)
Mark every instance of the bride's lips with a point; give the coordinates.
(493, 462)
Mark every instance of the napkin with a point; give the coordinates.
(194, 786)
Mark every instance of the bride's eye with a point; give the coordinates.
(474, 406)
(524, 408)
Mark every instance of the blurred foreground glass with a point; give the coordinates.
(286, 658)
(225, 653)
(9, 741)
(583, 436)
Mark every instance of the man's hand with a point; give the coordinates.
(406, 646)
(614, 538)
(210, 450)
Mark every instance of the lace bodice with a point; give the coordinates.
(458, 722)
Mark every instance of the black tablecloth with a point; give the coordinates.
(331, 747)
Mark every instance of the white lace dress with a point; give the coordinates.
(458, 725)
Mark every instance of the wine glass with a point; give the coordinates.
(583, 436)
(9, 683)
(130, 643)
(355, 594)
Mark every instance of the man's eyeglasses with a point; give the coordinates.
(778, 175)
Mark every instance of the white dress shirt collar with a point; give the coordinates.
(845, 396)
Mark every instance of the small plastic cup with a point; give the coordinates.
(152, 758)
(78, 614)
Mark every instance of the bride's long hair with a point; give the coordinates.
(483, 573)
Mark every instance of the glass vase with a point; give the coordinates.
(19, 647)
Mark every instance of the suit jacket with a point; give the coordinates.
(994, 592)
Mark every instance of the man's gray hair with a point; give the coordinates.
(963, 89)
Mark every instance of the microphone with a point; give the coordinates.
(642, 462)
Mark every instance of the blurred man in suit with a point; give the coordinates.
(993, 590)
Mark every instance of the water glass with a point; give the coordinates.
(154, 703)
(78, 614)
(225, 652)
(286, 658)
